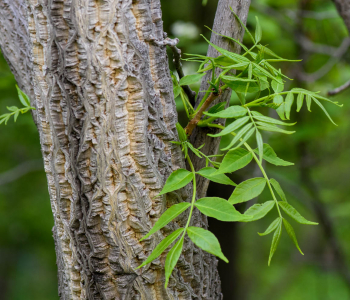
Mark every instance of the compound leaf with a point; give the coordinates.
(171, 259)
(234, 160)
(211, 174)
(258, 211)
(292, 212)
(177, 180)
(292, 235)
(248, 190)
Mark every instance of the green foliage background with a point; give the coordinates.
(319, 181)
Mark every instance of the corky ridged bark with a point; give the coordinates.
(225, 23)
(97, 73)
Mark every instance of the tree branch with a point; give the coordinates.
(339, 89)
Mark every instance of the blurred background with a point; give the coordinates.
(317, 185)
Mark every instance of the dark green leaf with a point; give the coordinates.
(209, 173)
(171, 259)
(275, 240)
(292, 212)
(169, 215)
(205, 240)
(220, 209)
(248, 190)
(272, 227)
(162, 246)
(258, 211)
(177, 180)
(292, 235)
(235, 160)
(278, 189)
(190, 79)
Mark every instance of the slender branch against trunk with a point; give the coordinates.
(97, 73)
(226, 24)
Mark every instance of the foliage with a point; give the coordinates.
(14, 110)
(247, 74)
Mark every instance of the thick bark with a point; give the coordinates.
(97, 73)
(225, 23)
(343, 7)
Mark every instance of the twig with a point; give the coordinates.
(21, 170)
(193, 123)
(178, 66)
(339, 89)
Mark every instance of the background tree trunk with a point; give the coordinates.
(97, 73)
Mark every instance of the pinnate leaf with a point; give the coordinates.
(234, 160)
(210, 173)
(278, 189)
(232, 127)
(23, 97)
(288, 104)
(165, 243)
(177, 180)
(248, 190)
(271, 227)
(278, 99)
(171, 259)
(275, 240)
(191, 79)
(271, 157)
(169, 215)
(238, 136)
(234, 111)
(220, 209)
(291, 234)
(205, 240)
(258, 211)
(293, 213)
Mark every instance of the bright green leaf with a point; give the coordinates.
(169, 215)
(272, 120)
(234, 160)
(258, 31)
(324, 110)
(292, 212)
(300, 101)
(271, 157)
(291, 234)
(190, 79)
(258, 211)
(23, 97)
(248, 190)
(234, 111)
(278, 189)
(275, 240)
(177, 180)
(278, 99)
(210, 173)
(171, 259)
(288, 104)
(205, 240)
(238, 136)
(272, 227)
(220, 209)
(181, 132)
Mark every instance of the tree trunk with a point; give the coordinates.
(97, 73)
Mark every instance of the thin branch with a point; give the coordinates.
(339, 89)
(178, 66)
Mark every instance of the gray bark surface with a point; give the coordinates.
(97, 73)
(343, 7)
(225, 23)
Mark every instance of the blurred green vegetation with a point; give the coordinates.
(318, 184)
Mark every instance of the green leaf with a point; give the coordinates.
(177, 180)
(260, 144)
(325, 111)
(246, 137)
(271, 157)
(16, 115)
(258, 31)
(292, 212)
(242, 24)
(171, 259)
(233, 126)
(247, 190)
(23, 97)
(210, 173)
(241, 85)
(267, 73)
(272, 120)
(278, 189)
(190, 79)
(291, 234)
(177, 91)
(300, 101)
(234, 111)
(205, 240)
(165, 243)
(268, 127)
(275, 240)
(217, 108)
(268, 51)
(308, 102)
(258, 211)
(278, 99)
(234, 160)
(272, 227)
(220, 209)
(234, 56)
(181, 132)
(238, 136)
(169, 215)
(12, 108)
(288, 104)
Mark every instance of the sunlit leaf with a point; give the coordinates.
(248, 190)
(232, 127)
(171, 259)
(258, 211)
(238, 136)
(235, 160)
(190, 79)
(300, 101)
(210, 173)
(177, 180)
(234, 111)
